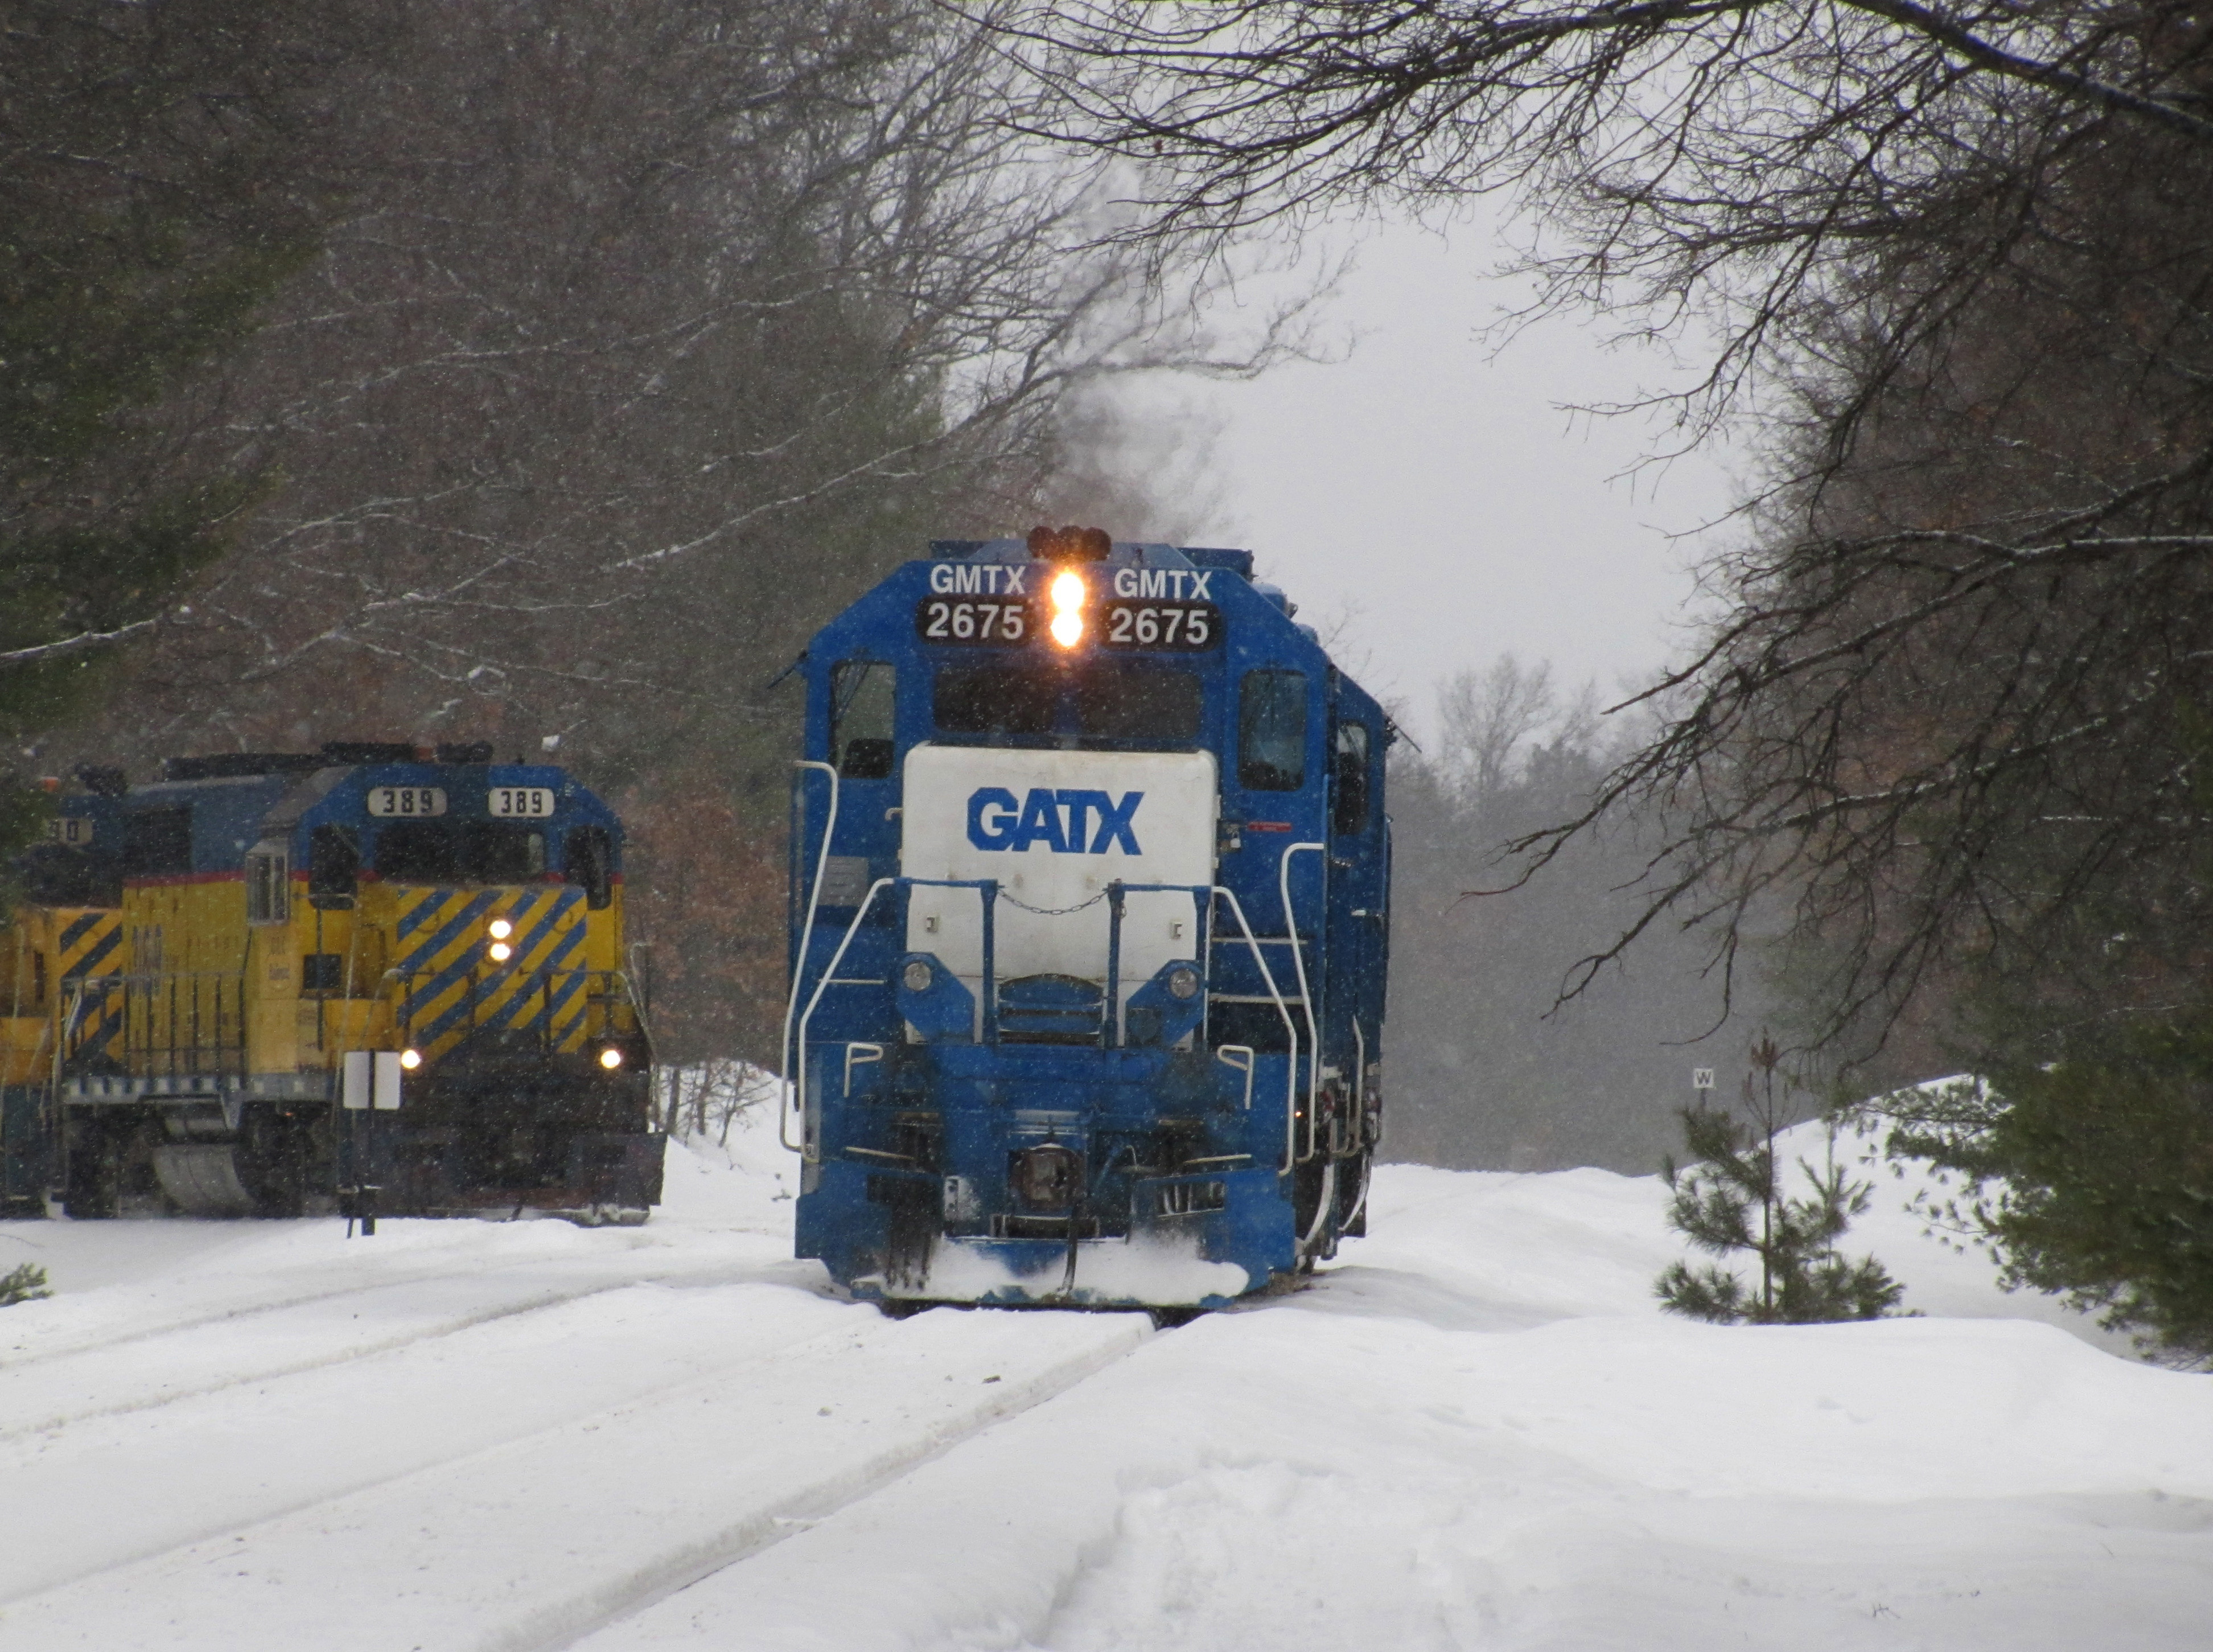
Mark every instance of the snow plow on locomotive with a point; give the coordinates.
(367, 978)
(1090, 927)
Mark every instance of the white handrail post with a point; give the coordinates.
(1306, 996)
(1290, 1031)
(799, 1088)
(799, 964)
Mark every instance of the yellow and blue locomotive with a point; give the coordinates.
(1088, 931)
(273, 982)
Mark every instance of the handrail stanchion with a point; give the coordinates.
(807, 934)
(1290, 1031)
(1109, 1031)
(1306, 997)
(989, 890)
(798, 1097)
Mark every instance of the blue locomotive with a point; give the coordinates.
(1089, 923)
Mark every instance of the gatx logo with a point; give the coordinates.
(1061, 821)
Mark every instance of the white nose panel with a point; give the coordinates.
(1055, 828)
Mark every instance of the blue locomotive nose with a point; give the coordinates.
(1087, 962)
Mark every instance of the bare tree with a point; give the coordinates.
(1950, 712)
(651, 335)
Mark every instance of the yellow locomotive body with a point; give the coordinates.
(351, 974)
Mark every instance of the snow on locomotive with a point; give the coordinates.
(273, 982)
(1088, 931)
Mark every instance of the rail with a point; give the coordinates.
(188, 1026)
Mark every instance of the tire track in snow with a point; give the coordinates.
(154, 1366)
(116, 1490)
(530, 1543)
(20, 1398)
(245, 1307)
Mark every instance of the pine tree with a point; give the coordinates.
(1730, 1199)
(26, 1283)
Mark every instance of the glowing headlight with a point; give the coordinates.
(500, 929)
(1068, 595)
(611, 1058)
(916, 976)
(500, 951)
(410, 1059)
(1183, 981)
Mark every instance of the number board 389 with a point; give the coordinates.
(405, 803)
(521, 802)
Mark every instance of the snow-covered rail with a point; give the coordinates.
(510, 1485)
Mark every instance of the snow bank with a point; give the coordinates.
(1476, 1428)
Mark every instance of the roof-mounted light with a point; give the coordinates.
(1068, 593)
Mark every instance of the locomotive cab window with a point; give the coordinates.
(1141, 704)
(862, 695)
(492, 851)
(588, 854)
(268, 884)
(1271, 731)
(334, 865)
(994, 699)
(470, 851)
(1347, 779)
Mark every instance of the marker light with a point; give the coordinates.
(501, 952)
(1067, 595)
(611, 1058)
(500, 928)
(410, 1059)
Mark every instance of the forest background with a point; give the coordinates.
(545, 371)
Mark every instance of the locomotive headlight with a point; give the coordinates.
(1067, 594)
(500, 951)
(611, 1058)
(916, 975)
(1183, 981)
(410, 1059)
(500, 929)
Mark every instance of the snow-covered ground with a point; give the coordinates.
(1474, 1430)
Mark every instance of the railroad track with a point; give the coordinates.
(512, 1484)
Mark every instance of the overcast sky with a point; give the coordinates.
(1440, 492)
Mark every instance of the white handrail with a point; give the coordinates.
(1359, 1085)
(806, 940)
(799, 1087)
(1291, 1029)
(1321, 1208)
(1306, 997)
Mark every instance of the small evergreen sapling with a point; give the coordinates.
(1731, 1198)
(26, 1283)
